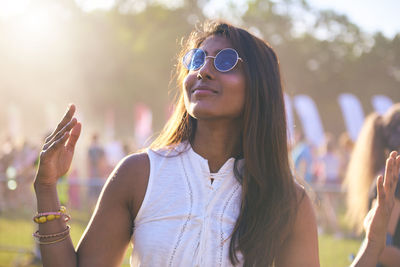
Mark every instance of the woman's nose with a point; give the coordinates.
(207, 70)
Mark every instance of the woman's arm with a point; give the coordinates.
(377, 219)
(108, 233)
(55, 160)
(301, 248)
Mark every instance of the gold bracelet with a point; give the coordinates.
(52, 242)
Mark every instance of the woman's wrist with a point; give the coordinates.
(375, 247)
(368, 255)
(43, 187)
(47, 197)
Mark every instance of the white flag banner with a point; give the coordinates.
(289, 118)
(143, 124)
(352, 112)
(310, 119)
(381, 103)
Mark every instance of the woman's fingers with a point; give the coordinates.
(381, 192)
(386, 186)
(67, 117)
(66, 128)
(56, 144)
(389, 175)
(392, 171)
(75, 133)
(397, 163)
(393, 155)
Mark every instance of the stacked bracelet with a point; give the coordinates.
(65, 232)
(52, 242)
(50, 216)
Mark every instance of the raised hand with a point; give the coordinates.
(377, 219)
(58, 150)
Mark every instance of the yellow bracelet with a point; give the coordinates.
(50, 216)
(52, 242)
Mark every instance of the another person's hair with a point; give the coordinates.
(378, 136)
(269, 195)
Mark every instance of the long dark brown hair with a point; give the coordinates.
(269, 196)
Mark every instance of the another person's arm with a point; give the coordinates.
(390, 256)
(376, 222)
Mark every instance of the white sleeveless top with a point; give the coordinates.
(185, 220)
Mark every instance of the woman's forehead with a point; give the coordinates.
(215, 43)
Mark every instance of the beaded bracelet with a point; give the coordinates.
(52, 242)
(65, 232)
(52, 215)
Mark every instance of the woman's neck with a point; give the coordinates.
(217, 142)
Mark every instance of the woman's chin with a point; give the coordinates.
(202, 114)
(200, 110)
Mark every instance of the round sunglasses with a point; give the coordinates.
(224, 61)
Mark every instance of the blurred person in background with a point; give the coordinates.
(8, 156)
(329, 180)
(215, 188)
(24, 164)
(97, 167)
(3, 179)
(379, 135)
(345, 149)
(302, 156)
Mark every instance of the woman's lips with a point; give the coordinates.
(203, 91)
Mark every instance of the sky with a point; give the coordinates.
(370, 15)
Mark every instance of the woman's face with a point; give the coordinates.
(210, 94)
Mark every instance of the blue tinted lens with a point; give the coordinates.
(194, 59)
(226, 60)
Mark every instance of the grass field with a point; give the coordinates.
(16, 242)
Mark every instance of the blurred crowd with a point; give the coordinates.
(321, 169)
(17, 170)
(77, 189)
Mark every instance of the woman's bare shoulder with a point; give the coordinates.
(131, 177)
(134, 165)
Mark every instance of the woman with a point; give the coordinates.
(215, 188)
(379, 135)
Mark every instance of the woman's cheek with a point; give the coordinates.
(188, 83)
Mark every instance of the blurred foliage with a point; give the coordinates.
(116, 58)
